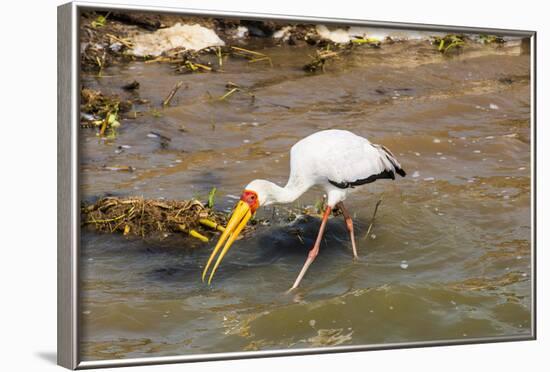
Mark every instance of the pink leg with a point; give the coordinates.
(349, 224)
(314, 251)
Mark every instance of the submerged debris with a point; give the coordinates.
(491, 39)
(319, 60)
(232, 88)
(143, 217)
(148, 21)
(94, 102)
(478, 284)
(102, 42)
(101, 111)
(330, 337)
(188, 61)
(332, 52)
(131, 86)
(502, 252)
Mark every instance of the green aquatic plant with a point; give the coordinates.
(211, 197)
(100, 21)
(320, 205)
(370, 41)
(155, 113)
(449, 42)
(491, 39)
(109, 124)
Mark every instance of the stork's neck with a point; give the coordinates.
(292, 191)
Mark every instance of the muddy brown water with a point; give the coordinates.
(448, 257)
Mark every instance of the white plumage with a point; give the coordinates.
(341, 157)
(337, 160)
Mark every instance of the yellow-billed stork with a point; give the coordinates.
(337, 160)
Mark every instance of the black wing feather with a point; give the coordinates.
(385, 174)
(389, 155)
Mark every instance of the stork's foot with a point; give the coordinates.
(349, 225)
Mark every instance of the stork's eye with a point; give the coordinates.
(252, 197)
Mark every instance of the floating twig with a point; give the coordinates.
(233, 88)
(100, 63)
(127, 43)
(172, 93)
(251, 55)
(228, 94)
(194, 66)
(247, 51)
(372, 220)
(160, 59)
(220, 56)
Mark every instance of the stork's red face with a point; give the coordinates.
(251, 198)
(244, 210)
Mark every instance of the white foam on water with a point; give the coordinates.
(190, 37)
(339, 36)
(242, 31)
(343, 36)
(283, 33)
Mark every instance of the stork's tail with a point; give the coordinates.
(391, 158)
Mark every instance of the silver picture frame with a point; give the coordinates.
(68, 201)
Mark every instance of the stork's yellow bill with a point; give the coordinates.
(244, 210)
